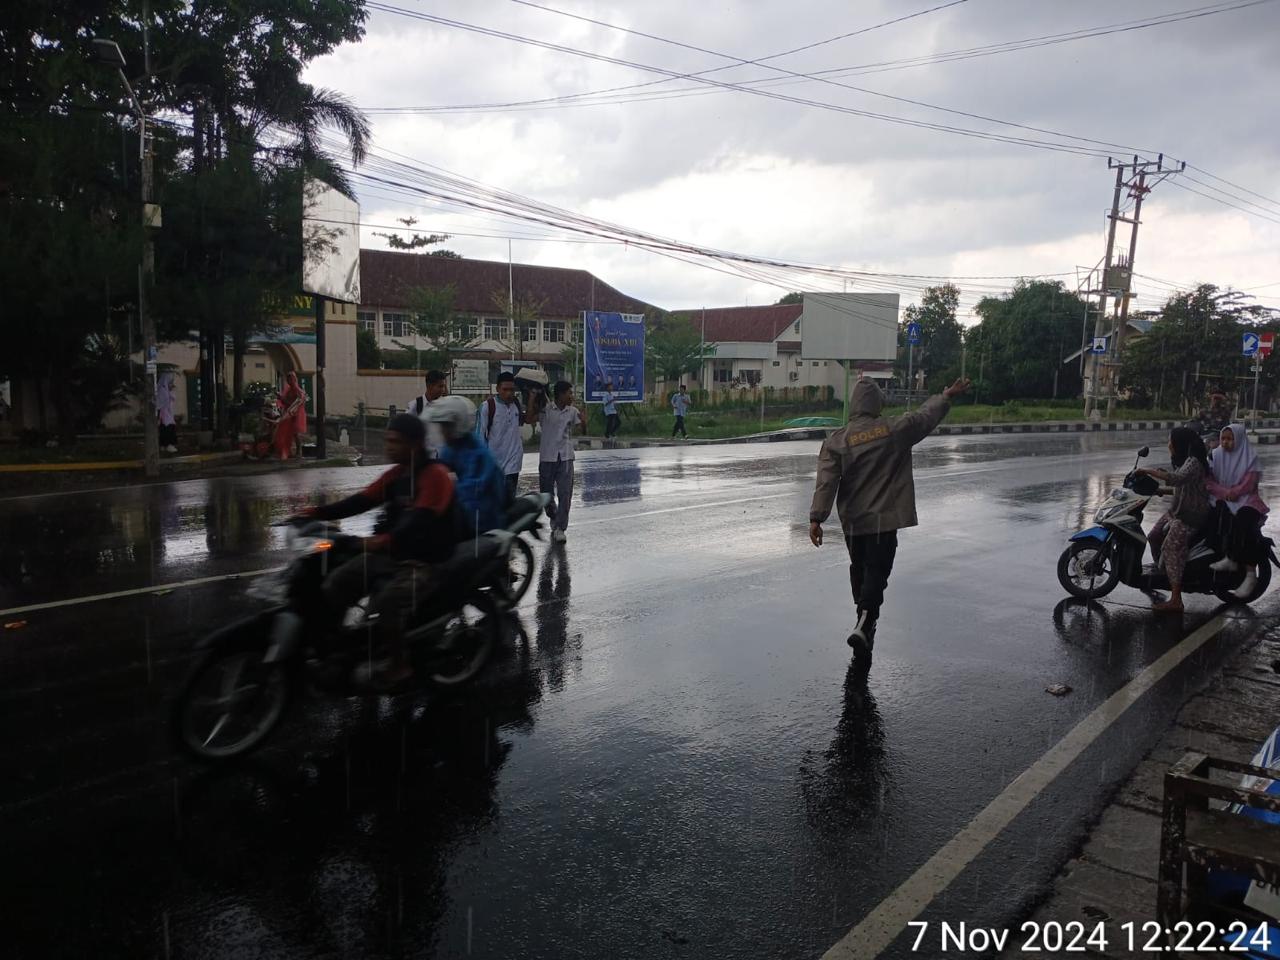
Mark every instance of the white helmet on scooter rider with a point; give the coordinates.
(456, 413)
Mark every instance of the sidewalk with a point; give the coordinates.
(1113, 879)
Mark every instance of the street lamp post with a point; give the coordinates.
(107, 52)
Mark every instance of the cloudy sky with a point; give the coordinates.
(813, 183)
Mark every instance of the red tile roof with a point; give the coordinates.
(746, 324)
(386, 276)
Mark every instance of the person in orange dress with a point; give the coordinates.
(293, 422)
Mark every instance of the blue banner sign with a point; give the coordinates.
(614, 347)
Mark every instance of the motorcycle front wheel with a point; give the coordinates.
(515, 580)
(230, 702)
(1087, 569)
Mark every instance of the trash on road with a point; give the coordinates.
(15, 624)
(1058, 689)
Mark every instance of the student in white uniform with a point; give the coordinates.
(437, 387)
(499, 423)
(558, 420)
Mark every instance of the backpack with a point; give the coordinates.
(480, 487)
(418, 404)
(491, 403)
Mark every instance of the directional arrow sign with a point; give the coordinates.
(1249, 346)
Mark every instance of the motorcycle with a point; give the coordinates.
(525, 516)
(248, 672)
(1110, 552)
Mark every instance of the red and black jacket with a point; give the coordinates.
(420, 518)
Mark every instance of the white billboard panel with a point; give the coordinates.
(330, 243)
(849, 326)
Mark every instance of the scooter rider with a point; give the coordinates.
(419, 528)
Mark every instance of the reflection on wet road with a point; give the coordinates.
(670, 756)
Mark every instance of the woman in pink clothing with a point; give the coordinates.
(293, 421)
(1238, 510)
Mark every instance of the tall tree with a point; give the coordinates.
(436, 320)
(937, 355)
(790, 298)
(1016, 350)
(524, 310)
(673, 346)
(1194, 344)
(417, 239)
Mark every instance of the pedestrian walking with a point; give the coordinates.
(166, 400)
(557, 420)
(865, 468)
(499, 426)
(611, 419)
(680, 405)
(436, 387)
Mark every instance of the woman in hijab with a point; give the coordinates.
(293, 421)
(1239, 510)
(1171, 535)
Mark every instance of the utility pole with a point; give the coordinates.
(1116, 280)
(318, 388)
(107, 52)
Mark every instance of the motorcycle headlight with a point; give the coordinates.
(1113, 511)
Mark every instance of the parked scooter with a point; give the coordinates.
(1112, 552)
(247, 673)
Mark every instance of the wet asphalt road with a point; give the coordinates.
(670, 760)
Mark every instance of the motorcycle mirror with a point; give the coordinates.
(1143, 452)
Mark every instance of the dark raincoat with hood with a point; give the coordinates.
(865, 468)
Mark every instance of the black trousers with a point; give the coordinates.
(679, 427)
(1239, 535)
(870, 563)
(611, 423)
(513, 481)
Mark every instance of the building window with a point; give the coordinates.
(751, 377)
(367, 319)
(723, 372)
(553, 331)
(395, 325)
(799, 363)
(777, 363)
(529, 331)
(815, 363)
(796, 328)
(495, 328)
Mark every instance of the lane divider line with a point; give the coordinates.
(889, 919)
(138, 591)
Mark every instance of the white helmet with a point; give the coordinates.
(457, 412)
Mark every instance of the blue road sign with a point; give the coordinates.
(913, 332)
(1249, 346)
(1099, 345)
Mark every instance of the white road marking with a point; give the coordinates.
(924, 476)
(889, 919)
(137, 591)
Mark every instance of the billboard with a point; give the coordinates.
(330, 243)
(614, 348)
(849, 326)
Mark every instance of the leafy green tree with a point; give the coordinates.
(368, 353)
(1016, 349)
(791, 298)
(941, 337)
(1194, 344)
(521, 311)
(435, 318)
(673, 346)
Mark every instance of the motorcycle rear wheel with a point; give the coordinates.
(470, 637)
(1087, 569)
(230, 703)
(1264, 581)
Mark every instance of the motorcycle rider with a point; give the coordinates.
(1171, 535)
(418, 529)
(481, 486)
(866, 467)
